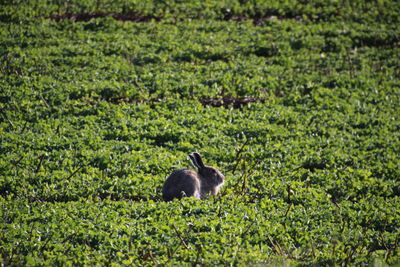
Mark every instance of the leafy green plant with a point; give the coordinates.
(96, 111)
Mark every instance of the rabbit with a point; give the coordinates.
(188, 183)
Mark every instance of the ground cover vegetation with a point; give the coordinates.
(297, 103)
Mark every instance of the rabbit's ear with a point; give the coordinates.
(193, 159)
(198, 160)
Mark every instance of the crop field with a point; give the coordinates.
(297, 103)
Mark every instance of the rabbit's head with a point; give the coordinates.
(210, 173)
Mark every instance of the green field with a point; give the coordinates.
(297, 103)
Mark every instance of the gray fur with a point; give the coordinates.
(193, 160)
(188, 183)
(198, 159)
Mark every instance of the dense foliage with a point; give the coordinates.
(101, 100)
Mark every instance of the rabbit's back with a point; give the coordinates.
(181, 183)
